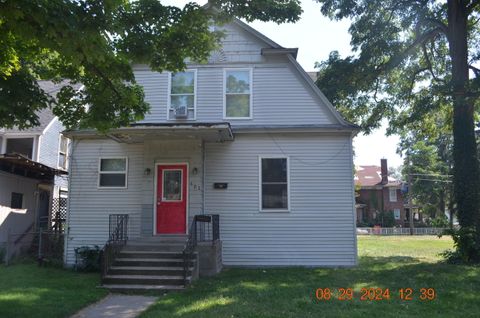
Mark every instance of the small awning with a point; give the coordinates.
(23, 166)
(138, 133)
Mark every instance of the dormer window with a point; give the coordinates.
(182, 95)
(238, 94)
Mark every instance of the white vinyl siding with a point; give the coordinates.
(237, 94)
(320, 228)
(392, 194)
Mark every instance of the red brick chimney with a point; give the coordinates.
(384, 170)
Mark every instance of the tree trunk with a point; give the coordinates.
(466, 169)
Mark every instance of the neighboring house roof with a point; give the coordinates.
(369, 176)
(313, 75)
(45, 116)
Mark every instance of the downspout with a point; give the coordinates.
(203, 176)
(66, 234)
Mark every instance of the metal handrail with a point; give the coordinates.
(117, 239)
(188, 250)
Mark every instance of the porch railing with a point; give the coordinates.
(117, 238)
(204, 228)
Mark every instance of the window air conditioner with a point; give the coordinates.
(181, 112)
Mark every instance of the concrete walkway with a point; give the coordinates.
(118, 306)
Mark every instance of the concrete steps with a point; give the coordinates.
(155, 263)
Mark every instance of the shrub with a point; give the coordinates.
(87, 258)
(440, 221)
(466, 251)
(385, 219)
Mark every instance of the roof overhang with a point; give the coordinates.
(280, 51)
(138, 133)
(294, 129)
(23, 166)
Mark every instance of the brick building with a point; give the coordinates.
(377, 192)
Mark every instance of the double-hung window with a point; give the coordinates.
(238, 94)
(182, 93)
(274, 179)
(63, 153)
(112, 173)
(392, 194)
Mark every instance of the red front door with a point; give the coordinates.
(171, 199)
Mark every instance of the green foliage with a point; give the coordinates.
(414, 64)
(440, 221)
(385, 219)
(95, 43)
(88, 258)
(465, 247)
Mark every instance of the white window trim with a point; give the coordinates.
(66, 153)
(169, 94)
(35, 145)
(225, 70)
(260, 198)
(390, 197)
(399, 214)
(112, 172)
(163, 185)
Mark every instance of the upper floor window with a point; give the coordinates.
(63, 152)
(274, 184)
(22, 146)
(182, 94)
(238, 94)
(112, 173)
(393, 194)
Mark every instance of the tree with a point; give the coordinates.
(415, 56)
(94, 43)
(427, 146)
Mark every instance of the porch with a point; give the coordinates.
(161, 262)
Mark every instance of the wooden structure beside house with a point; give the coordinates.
(246, 137)
(33, 175)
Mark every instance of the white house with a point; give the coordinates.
(247, 136)
(33, 174)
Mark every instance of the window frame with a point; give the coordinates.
(390, 195)
(112, 172)
(61, 152)
(163, 185)
(35, 144)
(250, 71)
(399, 214)
(169, 96)
(21, 200)
(260, 182)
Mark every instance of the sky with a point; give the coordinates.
(316, 36)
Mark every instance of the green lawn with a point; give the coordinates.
(385, 262)
(27, 290)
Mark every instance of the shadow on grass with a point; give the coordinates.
(27, 290)
(290, 292)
